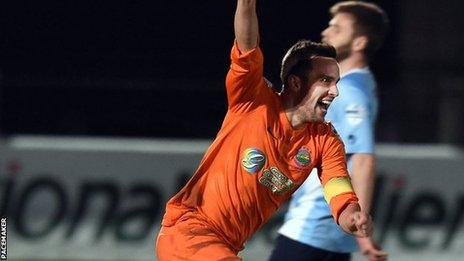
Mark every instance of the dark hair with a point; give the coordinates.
(297, 60)
(371, 21)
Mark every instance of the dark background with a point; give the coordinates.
(157, 68)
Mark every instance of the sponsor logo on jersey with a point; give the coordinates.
(276, 181)
(355, 114)
(253, 160)
(303, 157)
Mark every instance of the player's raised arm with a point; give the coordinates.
(246, 25)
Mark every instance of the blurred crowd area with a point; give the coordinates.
(152, 69)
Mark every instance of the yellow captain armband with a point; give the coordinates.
(337, 186)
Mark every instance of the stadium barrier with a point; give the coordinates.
(102, 199)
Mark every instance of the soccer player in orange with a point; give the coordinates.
(266, 148)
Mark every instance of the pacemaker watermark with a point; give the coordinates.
(3, 239)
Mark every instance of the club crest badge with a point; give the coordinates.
(303, 158)
(253, 160)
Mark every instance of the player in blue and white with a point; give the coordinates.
(357, 30)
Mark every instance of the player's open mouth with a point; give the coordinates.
(324, 104)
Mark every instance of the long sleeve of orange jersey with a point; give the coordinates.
(338, 191)
(244, 78)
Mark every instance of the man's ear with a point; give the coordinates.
(294, 83)
(360, 43)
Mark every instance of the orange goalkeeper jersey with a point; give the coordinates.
(257, 160)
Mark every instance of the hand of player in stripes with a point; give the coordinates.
(371, 250)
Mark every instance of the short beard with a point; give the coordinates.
(343, 52)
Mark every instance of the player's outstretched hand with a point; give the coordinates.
(356, 222)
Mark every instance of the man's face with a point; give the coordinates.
(340, 33)
(320, 89)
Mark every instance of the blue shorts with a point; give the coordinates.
(288, 249)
